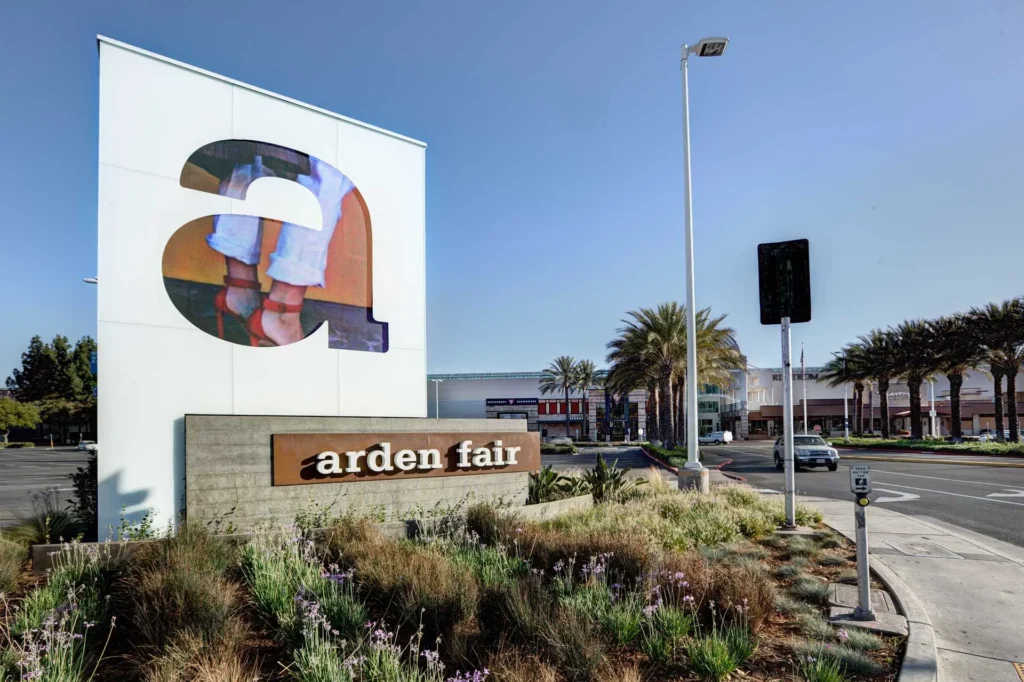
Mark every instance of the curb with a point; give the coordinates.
(924, 460)
(921, 660)
(675, 470)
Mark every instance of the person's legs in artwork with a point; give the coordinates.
(238, 238)
(300, 260)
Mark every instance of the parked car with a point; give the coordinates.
(716, 438)
(560, 440)
(92, 447)
(84, 445)
(991, 435)
(808, 451)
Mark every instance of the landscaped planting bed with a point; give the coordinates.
(991, 449)
(653, 584)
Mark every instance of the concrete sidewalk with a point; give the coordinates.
(971, 586)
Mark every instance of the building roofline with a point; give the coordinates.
(100, 39)
(482, 376)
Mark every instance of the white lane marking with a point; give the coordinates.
(943, 492)
(937, 478)
(900, 497)
(1014, 493)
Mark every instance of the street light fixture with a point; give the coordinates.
(706, 47)
(91, 280)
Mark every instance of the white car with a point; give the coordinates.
(716, 438)
(92, 447)
(84, 445)
(560, 440)
(808, 451)
(991, 435)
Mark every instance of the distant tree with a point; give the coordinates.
(560, 376)
(878, 357)
(915, 353)
(16, 415)
(586, 375)
(57, 378)
(959, 351)
(1001, 327)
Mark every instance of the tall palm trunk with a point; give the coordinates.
(665, 407)
(871, 410)
(914, 388)
(652, 412)
(858, 410)
(997, 379)
(956, 381)
(567, 432)
(1011, 404)
(883, 405)
(681, 412)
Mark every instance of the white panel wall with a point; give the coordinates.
(157, 367)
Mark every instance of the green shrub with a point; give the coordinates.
(832, 560)
(609, 482)
(655, 645)
(788, 571)
(741, 642)
(548, 449)
(623, 619)
(830, 541)
(12, 560)
(816, 627)
(859, 640)
(672, 622)
(849, 661)
(786, 604)
(810, 589)
(816, 666)
(48, 524)
(711, 658)
(83, 503)
(848, 577)
(801, 547)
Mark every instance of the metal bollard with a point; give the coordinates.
(860, 485)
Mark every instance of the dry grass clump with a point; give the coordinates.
(12, 560)
(408, 582)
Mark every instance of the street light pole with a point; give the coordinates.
(707, 47)
(437, 398)
(692, 459)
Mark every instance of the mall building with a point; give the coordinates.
(751, 407)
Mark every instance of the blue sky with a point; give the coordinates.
(887, 133)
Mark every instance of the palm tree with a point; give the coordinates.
(659, 336)
(650, 351)
(1001, 328)
(877, 353)
(840, 371)
(958, 351)
(915, 357)
(585, 377)
(560, 376)
(630, 368)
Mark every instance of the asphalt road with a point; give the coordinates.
(28, 471)
(986, 500)
(622, 456)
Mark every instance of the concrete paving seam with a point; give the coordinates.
(921, 660)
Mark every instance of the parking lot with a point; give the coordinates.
(25, 472)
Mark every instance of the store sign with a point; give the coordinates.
(813, 376)
(301, 458)
(511, 401)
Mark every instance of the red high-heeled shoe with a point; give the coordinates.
(255, 326)
(220, 302)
